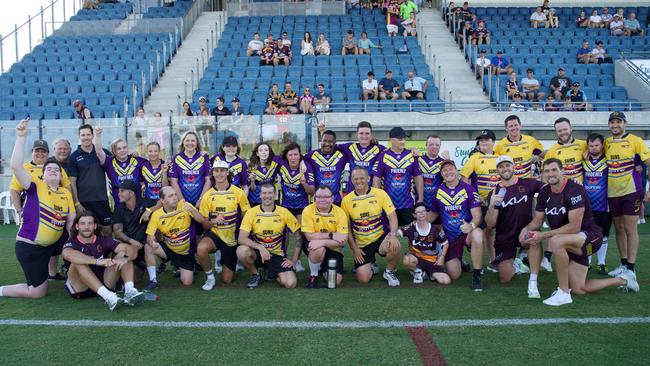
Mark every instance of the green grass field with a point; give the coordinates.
(462, 345)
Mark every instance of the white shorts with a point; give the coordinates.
(391, 28)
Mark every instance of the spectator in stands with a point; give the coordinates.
(595, 20)
(535, 106)
(599, 55)
(500, 64)
(538, 18)
(204, 112)
(632, 26)
(550, 105)
(415, 87)
(307, 45)
(187, 110)
(290, 98)
(621, 13)
(584, 53)
(369, 87)
(553, 21)
(364, 44)
(530, 85)
(273, 99)
(388, 87)
(306, 101)
(606, 17)
(582, 21)
(392, 18)
(577, 97)
(322, 46)
(255, 46)
(81, 111)
(90, 4)
(269, 40)
(203, 103)
(220, 109)
(410, 26)
(268, 55)
(567, 105)
(481, 35)
(516, 105)
(560, 84)
(512, 85)
(405, 10)
(349, 44)
(616, 26)
(285, 39)
(482, 64)
(322, 99)
(282, 53)
(236, 110)
(349, 4)
(468, 15)
(464, 35)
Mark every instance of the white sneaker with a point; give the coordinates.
(545, 225)
(520, 266)
(418, 276)
(617, 271)
(630, 278)
(133, 297)
(375, 269)
(298, 266)
(493, 268)
(533, 292)
(239, 267)
(559, 298)
(114, 302)
(218, 268)
(546, 265)
(209, 284)
(391, 277)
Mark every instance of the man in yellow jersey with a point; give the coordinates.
(368, 210)
(325, 226)
(480, 171)
(262, 240)
(568, 150)
(223, 205)
(624, 153)
(523, 149)
(174, 223)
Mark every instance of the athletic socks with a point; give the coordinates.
(209, 275)
(313, 268)
(105, 293)
(548, 255)
(128, 287)
(630, 266)
(602, 252)
(624, 262)
(152, 273)
(2, 288)
(476, 273)
(533, 277)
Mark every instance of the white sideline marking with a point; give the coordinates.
(326, 324)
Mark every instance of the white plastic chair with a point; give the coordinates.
(7, 209)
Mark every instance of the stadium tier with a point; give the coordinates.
(178, 9)
(104, 11)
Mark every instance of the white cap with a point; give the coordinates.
(503, 159)
(220, 164)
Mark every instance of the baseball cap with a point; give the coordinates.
(76, 103)
(397, 133)
(220, 164)
(484, 51)
(202, 99)
(235, 99)
(560, 68)
(230, 141)
(487, 134)
(503, 159)
(499, 52)
(448, 161)
(41, 144)
(617, 115)
(576, 84)
(130, 185)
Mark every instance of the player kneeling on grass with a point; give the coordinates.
(325, 226)
(262, 240)
(92, 272)
(510, 209)
(427, 248)
(174, 223)
(573, 237)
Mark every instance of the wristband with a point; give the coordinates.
(77, 204)
(148, 209)
(473, 225)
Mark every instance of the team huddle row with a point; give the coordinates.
(195, 205)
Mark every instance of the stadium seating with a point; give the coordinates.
(231, 73)
(104, 12)
(179, 9)
(545, 50)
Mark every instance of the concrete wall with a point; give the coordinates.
(636, 88)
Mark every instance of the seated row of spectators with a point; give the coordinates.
(616, 23)
(544, 16)
(288, 102)
(389, 89)
(597, 55)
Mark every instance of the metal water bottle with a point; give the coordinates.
(331, 273)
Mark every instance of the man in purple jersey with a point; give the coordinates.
(362, 153)
(430, 168)
(92, 272)
(573, 237)
(327, 164)
(459, 207)
(510, 209)
(397, 168)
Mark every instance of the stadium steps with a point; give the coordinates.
(460, 80)
(165, 94)
(127, 23)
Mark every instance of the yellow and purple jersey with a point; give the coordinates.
(454, 206)
(571, 156)
(45, 212)
(231, 204)
(623, 156)
(191, 172)
(595, 182)
(176, 227)
(481, 170)
(269, 228)
(368, 214)
(521, 152)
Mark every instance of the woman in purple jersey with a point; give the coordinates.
(263, 168)
(189, 170)
(229, 152)
(120, 166)
(154, 175)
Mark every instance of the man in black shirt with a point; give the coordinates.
(129, 219)
(220, 109)
(560, 84)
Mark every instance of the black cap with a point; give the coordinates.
(230, 141)
(617, 115)
(499, 51)
(235, 99)
(130, 185)
(41, 144)
(397, 133)
(576, 84)
(487, 134)
(560, 68)
(484, 51)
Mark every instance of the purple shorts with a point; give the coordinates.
(628, 205)
(456, 247)
(504, 252)
(591, 245)
(429, 267)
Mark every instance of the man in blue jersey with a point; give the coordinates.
(327, 164)
(595, 183)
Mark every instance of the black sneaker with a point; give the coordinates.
(161, 267)
(254, 281)
(150, 286)
(603, 270)
(476, 284)
(56, 277)
(465, 266)
(312, 282)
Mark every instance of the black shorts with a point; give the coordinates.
(184, 261)
(404, 216)
(414, 95)
(100, 208)
(591, 245)
(295, 211)
(483, 225)
(228, 253)
(369, 252)
(59, 244)
(33, 259)
(273, 266)
(329, 254)
(604, 220)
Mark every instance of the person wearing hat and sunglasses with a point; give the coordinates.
(81, 111)
(625, 153)
(500, 64)
(510, 209)
(560, 84)
(578, 97)
(482, 64)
